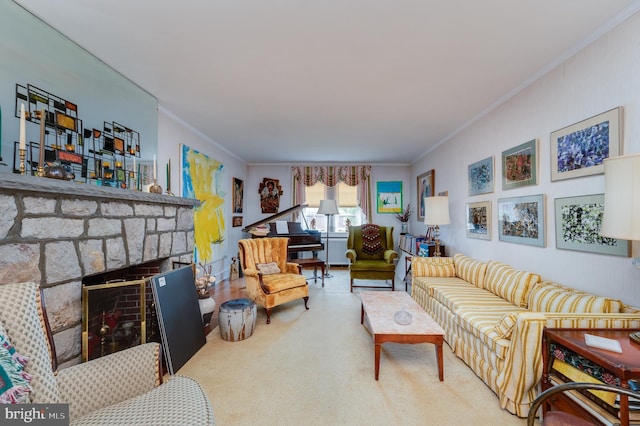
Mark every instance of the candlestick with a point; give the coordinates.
(23, 129)
(41, 115)
(23, 155)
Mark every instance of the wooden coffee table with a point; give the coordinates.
(380, 307)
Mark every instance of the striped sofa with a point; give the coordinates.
(493, 317)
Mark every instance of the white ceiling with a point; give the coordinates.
(367, 81)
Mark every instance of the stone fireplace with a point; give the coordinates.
(57, 233)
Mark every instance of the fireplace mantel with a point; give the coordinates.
(10, 182)
(56, 232)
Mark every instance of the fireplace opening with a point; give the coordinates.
(118, 310)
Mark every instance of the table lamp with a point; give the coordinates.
(436, 213)
(328, 208)
(621, 217)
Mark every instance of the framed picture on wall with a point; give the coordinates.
(479, 220)
(521, 220)
(426, 188)
(389, 197)
(578, 221)
(579, 150)
(481, 176)
(238, 195)
(520, 165)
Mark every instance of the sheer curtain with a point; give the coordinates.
(331, 176)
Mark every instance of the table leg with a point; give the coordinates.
(362, 314)
(377, 350)
(322, 274)
(440, 361)
(315, 274)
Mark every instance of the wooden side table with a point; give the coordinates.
(314, 263)
(625, 366)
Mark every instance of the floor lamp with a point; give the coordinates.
(328, 208)
(436, 213)
(621, 218)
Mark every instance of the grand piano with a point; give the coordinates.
(300, 240)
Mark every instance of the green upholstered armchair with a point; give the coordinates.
(371, 254)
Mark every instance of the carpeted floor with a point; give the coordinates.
(316, 367)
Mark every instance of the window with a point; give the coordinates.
(347, 197)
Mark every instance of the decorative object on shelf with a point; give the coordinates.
(521, 220)
(389, 197)
(155, 188)
(169, 178)
(479, 220)
(328, 208)
(436, 214)
(56, 170)
(404, 219)
(520, 165)
(580, 149)
(480, 176)
(426, 188)
(403, 317)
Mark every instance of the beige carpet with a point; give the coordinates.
(316, 367)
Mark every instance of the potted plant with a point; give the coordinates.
(404, 218)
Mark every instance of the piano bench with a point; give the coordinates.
(314, 263)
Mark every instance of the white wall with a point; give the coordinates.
(171, 133)
(602, 76)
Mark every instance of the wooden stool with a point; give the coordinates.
(314, 263)
(237, 319)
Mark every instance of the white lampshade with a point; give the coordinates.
(436, 210)
(328, 207)
(622, 198)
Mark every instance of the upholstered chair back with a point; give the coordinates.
(264, 250)
(357, 241)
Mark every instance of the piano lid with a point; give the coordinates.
(276, 216)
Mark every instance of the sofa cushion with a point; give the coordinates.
(457, 295)
(509, 283)
(505, 326)
(470, 270)
(482, 325)
(158, 407)
(433, 267)
(551, 297)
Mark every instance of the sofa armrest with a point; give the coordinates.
(351, 255)
(389, 255)
(110, 379)
(522, 370)
(293, 268)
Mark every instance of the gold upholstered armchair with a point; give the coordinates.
(371, 254)
(270, 279)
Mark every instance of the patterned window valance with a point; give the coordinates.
(331, 176)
